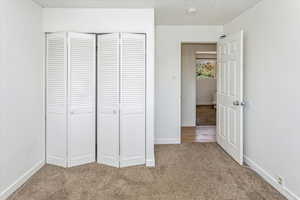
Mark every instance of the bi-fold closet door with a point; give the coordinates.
(121, 99)
(70, 98)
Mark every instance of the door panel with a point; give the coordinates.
(82, 139)
(230, 95)
(108, 99)
(132, 100)
(81, 133)
(56, 99)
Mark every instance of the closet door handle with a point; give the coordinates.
(114, 112)
(236, 103)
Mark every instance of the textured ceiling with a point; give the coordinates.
(168, 12)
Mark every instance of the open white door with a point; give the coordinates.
(108, 99)
(82, 100)
(132, 100)
(230, 95)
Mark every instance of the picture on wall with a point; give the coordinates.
(206, 68)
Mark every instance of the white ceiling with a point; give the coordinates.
(168, 12)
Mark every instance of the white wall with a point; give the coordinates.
(188, 85)
(168, 75)
(206, 88)
(193, 90)
(272, 46)
(113, 20)
(22, 142)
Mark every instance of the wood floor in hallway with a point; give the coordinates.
(206, 126)
(206, 115)
(198, 134)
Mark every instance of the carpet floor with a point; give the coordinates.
(192, 171)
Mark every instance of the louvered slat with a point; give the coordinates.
(133, 70)
(108, 51)
(82, 57)
(56, 73)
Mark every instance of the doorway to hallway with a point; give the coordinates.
(199, 86)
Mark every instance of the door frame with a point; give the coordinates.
(180, 79)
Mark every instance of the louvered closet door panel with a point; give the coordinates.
(132, 100)
(81, 133)
(56, 101)
(108, 99)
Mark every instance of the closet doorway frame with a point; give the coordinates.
(149, 92)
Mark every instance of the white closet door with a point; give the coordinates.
(108, 99)
(56, 93)
(132, 100)
(81, 133)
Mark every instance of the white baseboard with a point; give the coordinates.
(270, 179)
(188, 125)
(150, 163)
(21, 180)
(52, 160)
(205, 104)
(81, 160)
(167, 141)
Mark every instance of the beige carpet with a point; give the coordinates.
(193, 171)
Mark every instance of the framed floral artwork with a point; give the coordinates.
(206, 68)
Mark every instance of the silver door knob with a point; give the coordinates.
(114, 112)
